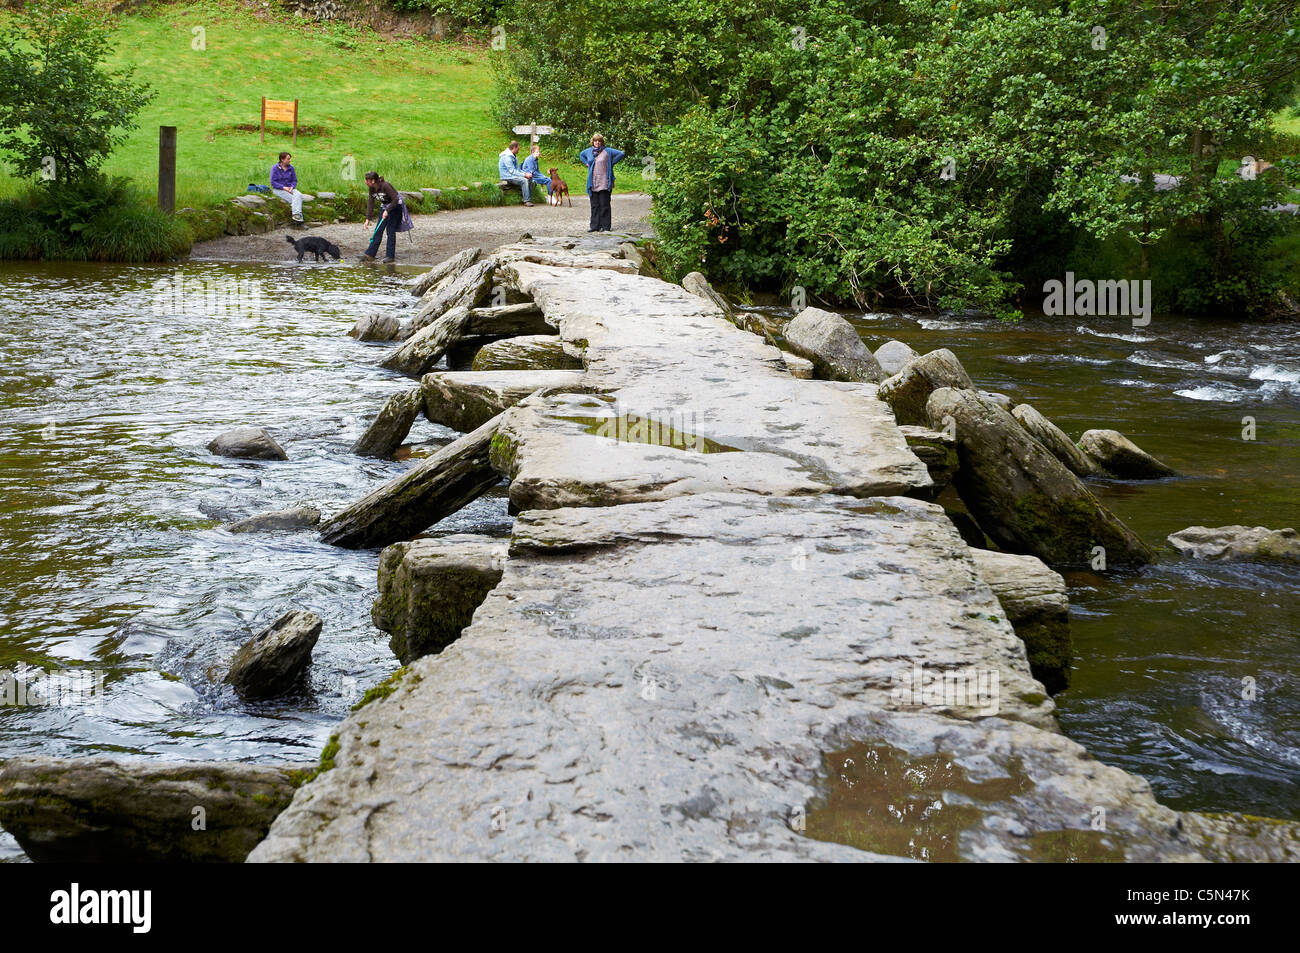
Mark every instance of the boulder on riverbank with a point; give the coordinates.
(389, 429)
(297, 517)
(431, 490)
(97, 810)
(1121, 457)
(1238, 542)
(1038, 608)
(907, 391)
(247, 443)
(465, 401)
(893, 356)
(533, 352)
(831, 343)
(1022, 496)
(1057, 443)
(272, 663)
(429, 589)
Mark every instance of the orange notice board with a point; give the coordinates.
(280, 110)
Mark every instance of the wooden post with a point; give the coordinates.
(295, 124)
(263, 119)
(167, 168)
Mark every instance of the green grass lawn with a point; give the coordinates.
(417, 111)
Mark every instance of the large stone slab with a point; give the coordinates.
(454, 265)
(1054, 439)
(531, 352)
(1036, 603)
(691, 679)
(391, 425)
(465, 400)
(428, 492)
(683, 401)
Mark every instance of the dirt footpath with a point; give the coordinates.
(440, 235)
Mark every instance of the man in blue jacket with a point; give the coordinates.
(533, 169)
(600, 162)
(508, 169)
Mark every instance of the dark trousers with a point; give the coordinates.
(390, 227)
(600, 213)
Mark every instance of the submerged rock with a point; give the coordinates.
(907, 391)
(534, 352)
(1120, 456)
(1238, 542)
(247, 443)
(893, 356)
(274, 660)
(429, 589)
(389, 429)
(298, 517)
(831, 343)
(1055, 440)
(1022, 496)
(98, 810)
(1038, 608)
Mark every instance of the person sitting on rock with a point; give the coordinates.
(508, 169)
(284, 183)
(533, 169)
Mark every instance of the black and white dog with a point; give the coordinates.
(314, 245)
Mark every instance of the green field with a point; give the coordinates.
(417, 111)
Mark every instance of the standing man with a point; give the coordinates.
(508, 169)
(533, 168)
(284, 183)
(600, 162)
(390, 202)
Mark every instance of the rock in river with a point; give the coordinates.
(893, 356)
(908, 390)
(833, 346)
(1035, 601)
(533, 352)
(1022, 496)
(298, 517)
(273, 661)
(1238, 542)
(247, 443)
(1057, 443)
(429, 589)
(101, 810)
(390, 427)
(1120, 456)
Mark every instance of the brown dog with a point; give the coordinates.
(559, 188)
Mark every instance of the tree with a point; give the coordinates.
(62, 110)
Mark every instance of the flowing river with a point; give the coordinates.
(112, 562)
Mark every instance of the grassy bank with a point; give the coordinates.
(416, 110)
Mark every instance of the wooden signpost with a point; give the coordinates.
(280, 110)
(533, 130)
(167, 168)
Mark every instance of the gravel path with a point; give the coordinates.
(438, 236)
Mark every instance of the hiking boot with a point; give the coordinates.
(368, 259)
(387, 261)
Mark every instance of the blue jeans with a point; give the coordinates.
(523, 184)
(389, 226)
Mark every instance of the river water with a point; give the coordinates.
(112, 562)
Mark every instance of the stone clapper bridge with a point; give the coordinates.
(721, 629)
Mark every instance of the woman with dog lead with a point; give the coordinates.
(391, 221)
(600, 162)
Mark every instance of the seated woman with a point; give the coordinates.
(533, 164)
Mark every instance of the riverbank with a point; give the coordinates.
(440, 235)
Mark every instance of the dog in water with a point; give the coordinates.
(559, 188)
(314, 245)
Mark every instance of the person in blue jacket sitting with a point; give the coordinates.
(600, 161)
(532, 167)
(508, 169)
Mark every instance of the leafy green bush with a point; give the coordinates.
(96, 219)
